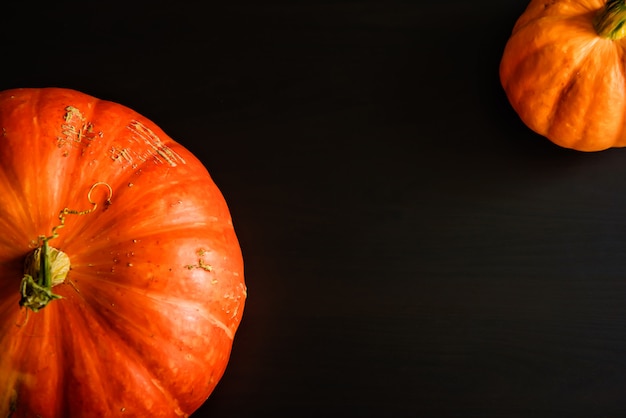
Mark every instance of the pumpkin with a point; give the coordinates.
(121, 276)
(563, 72)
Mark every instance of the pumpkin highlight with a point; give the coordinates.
(563, 72)
(121, 277)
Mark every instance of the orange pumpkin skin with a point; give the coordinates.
(156, 290)
(563, 77)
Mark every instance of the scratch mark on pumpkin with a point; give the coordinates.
(145, 145)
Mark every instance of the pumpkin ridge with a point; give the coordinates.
(587, 60)
(562, 98)
(139, 368)
(598, 83)
(83, 351)
(595, 135)
(13, 215)
(11, 175)
(532, 51)
(125, 335)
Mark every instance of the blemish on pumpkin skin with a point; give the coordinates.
(76, 130)
(201, 264)
(548, 4)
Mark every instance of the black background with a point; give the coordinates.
(411, 248)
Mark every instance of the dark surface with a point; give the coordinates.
(411, 248)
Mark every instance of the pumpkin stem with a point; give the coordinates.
(610, 21)
(46, 266)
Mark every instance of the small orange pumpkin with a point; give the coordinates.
(563, 70)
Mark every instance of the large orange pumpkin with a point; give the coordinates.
(121, 277)
(564, 74)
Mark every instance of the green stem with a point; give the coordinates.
(610, 21)
(44, 268)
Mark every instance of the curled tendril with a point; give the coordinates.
(36, 285)
(68, 211)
